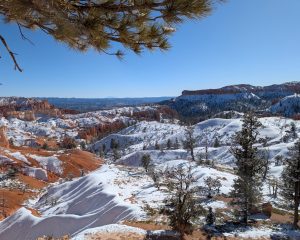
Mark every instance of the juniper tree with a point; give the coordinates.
(182, 205)
(291, 181)
(102, 24)
(247, 185)
(189, 141)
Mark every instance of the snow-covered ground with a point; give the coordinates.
(108, 195)
(122, 190)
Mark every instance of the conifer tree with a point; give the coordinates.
(84, 24)
(169, 144)
(291, 181)
(247, 186)
(294, 130)
(216, 143)
(176, 144)
(183, 206)
(190, 141)
(146, 161)
(210, 218)
(116, 154)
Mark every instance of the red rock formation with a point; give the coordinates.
(3, 139)
(27, 109)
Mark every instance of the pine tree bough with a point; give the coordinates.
(105, 24)
(12, 55)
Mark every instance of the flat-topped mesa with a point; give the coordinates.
(292, 87)
(26, 108)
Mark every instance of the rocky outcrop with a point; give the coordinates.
(3, 138)
(27, 108)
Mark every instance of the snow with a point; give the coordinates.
(52, 163)
(106, 196)
(100, 200)
(288, 106)
(18, 156)
(111, 228)
(37, 173)
(265, 232)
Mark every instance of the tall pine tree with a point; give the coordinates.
(291, 181)
(246, 192)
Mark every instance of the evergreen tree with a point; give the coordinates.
(169, 144)
(176, 144)
(146, 161)
(291, 181)
(12, 172)
(45, 146)
(216, 143)
(116, 154)
(103, 148)
(83, 145)
(84, 24)
(190, 141)
(114, 144)
(294, 130)
(210, 218)
(182, 205)
(249, 168)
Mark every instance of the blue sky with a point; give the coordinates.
(243, 41)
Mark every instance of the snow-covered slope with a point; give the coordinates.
(106, 196)
(140, 139)
(288, 106)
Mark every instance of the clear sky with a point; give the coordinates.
(243, 41)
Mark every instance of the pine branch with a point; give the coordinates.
(12, 55)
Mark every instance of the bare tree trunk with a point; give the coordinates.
(296, 205)
(296, 198)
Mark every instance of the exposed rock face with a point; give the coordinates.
(3, 139)
(284, 89)
(202, 104)
(26, 108)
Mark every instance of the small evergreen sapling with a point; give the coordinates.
(146, 162)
